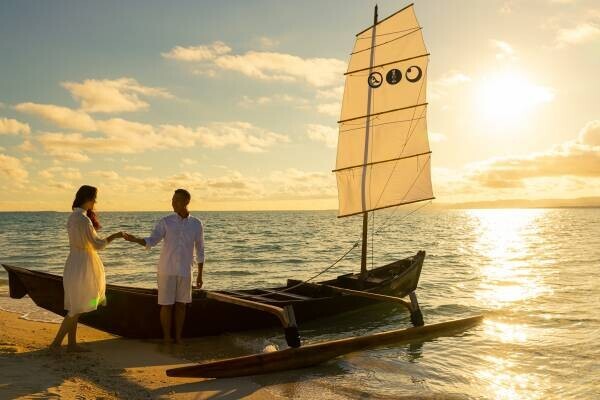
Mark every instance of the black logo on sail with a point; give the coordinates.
(375, 80)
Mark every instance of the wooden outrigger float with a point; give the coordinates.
(317, 353)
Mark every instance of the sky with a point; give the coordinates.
(238, 101)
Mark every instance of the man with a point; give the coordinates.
(181, 233)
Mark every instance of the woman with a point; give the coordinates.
(83, 277)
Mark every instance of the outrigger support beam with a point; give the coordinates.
(416, 316)
(285, 315)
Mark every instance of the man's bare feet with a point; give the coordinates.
(77, 349)
(178, 341)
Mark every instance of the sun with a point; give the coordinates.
(509, 96)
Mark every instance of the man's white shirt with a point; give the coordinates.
(181, 236)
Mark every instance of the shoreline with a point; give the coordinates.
(115, 367)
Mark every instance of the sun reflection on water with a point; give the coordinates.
(505, 332)
(504, 238)
(504, 383)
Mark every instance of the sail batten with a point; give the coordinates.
(382, 161)
(383, 65)
(382, 112)
(383, 157)
(388, 206)
(389, 41)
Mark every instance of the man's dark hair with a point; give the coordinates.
(185, 194)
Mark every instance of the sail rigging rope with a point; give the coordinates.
(354, 245)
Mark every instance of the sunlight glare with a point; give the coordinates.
(509, 96)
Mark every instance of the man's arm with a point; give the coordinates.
(158, 233)
(199, 281)
(200, 255)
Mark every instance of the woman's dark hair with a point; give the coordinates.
(83, 195)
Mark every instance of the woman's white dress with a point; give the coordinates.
(83, 277)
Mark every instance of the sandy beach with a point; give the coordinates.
(115, 368)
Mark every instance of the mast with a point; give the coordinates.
(365, 226)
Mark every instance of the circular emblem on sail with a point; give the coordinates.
(410, 74)
(393, 76)
(375, 79)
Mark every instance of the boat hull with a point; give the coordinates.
(134, 312)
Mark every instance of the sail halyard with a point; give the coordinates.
(383, 155)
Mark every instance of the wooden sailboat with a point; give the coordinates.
(383, 160)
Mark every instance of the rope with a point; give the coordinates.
(354, 245)
(323, 271)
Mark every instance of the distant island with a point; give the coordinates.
(581, 202)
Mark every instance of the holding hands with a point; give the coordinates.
(133, 239)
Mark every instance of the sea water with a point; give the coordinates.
(533, 273)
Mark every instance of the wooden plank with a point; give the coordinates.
(317, 353)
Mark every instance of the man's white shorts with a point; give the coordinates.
(172, 288)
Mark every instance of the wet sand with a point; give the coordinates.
(115, 368)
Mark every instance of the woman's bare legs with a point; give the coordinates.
(68, 327)
(65, 328)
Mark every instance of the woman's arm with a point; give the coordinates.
(114, 236)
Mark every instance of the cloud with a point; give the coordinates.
(113, 96)
(590, 134)
(582, 33)
(62, 117)
(323, 134)
(137, 168)
(250, 102)
(331, 93)
(10, 126)
(506, 52)
(197, 53)
(64, 172)
(439, 88)
(245, 136)
(267, 43)
(12, 169)
(112, 175)
(452, 78)
(317, 72)
(188, 162)
(288, 184)
(294, 184)
(126, 137)
(210, 73)
(332, 109)
(580, 158)
(27, 145)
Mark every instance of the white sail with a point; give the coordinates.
(383, 155)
